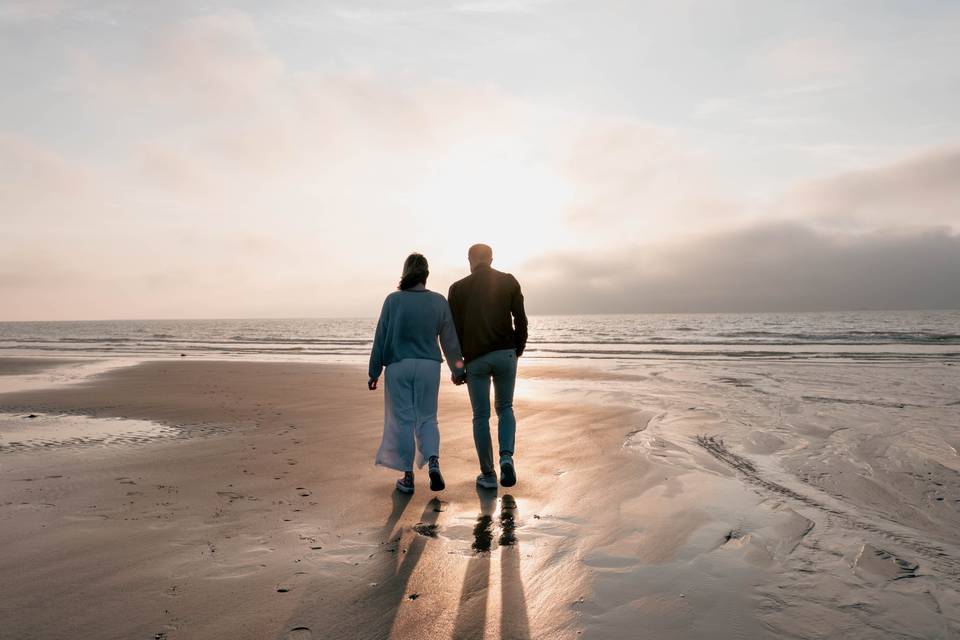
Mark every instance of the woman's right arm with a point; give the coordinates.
(376, 353)
(450, 343)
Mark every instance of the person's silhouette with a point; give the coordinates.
(491, 323)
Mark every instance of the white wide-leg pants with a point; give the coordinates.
(410, 414)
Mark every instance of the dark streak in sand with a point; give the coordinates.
(870, 403)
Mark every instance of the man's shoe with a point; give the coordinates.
(436, 478)
(508, 475)
(487, 481)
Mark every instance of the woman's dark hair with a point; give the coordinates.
(415, 271)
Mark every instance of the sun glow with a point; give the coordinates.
(496, 191)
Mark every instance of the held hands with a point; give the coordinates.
(459, 377)
(372, 384)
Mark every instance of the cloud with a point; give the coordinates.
(243, 140)
(254, 188)
(205, 66)
(630, 180)
(18, 12)
(500, 6)
(809, 58)
(920, 190)
(37, 183)
(773, 267)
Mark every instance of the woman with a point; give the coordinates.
(406, 344)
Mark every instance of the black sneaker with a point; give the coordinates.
(508, 475)
(405, 484)
(436, 478)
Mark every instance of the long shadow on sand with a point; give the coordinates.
(397, 584)
(366, 613)
(472, 612)
(400, 502)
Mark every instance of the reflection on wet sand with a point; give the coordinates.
(472, 612)
(483, 530)
(514, 624)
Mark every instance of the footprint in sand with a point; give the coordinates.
(299, 633)
(291, 583)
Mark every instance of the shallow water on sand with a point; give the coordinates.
(24, 432)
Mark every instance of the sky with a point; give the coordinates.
(210, 159)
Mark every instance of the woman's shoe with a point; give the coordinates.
(436, 478)
(405, 484)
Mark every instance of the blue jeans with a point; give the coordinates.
(501, 367)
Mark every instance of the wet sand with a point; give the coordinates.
(252, 508)
(21, 366)
(267, 519)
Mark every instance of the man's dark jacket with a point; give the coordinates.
(482, 306)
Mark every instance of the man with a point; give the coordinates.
(488, 313)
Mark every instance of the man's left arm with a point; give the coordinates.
(454, 301)
(519, 318)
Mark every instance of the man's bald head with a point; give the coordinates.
(480, 255)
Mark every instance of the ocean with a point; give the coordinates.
(858, 335)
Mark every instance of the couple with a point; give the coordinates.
(485, 315)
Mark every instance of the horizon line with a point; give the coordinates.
(535, 315)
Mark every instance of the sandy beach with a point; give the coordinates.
(262, 515)
(209, 499)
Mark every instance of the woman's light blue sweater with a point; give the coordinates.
(410, 323)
